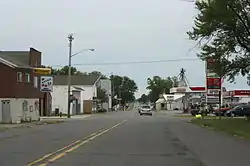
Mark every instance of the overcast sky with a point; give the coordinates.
(120, 31)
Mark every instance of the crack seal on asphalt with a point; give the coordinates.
(51, 157)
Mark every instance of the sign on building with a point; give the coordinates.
(46, 84)
(213, 92)
(170, 98)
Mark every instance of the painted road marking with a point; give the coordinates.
(71, 147)
(50, 154)
(59, 150)
(63, 153)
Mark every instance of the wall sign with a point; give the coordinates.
(213, 83)
(46, 84)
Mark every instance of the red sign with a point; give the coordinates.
(213, 83)
(197, 88)
(210, 63)
(242, 92)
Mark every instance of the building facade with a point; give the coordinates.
(83, 91)
(20, 96)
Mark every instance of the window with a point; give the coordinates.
(19, 77)
(145, 107)
(35, 82)
(27, 78)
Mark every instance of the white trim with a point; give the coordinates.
(97, 80)
(12, 65)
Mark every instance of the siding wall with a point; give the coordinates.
(60, 96)
(17, 112)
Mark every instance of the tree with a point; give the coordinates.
(222, 29)
(64, 71)
(158, 86)
(102, 95)
(124, 88)
(98, 74)
(143, 98)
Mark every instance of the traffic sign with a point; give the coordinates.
(46, 84)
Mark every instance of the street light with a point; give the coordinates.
(71, 38)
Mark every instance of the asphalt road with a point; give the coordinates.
(113, 139)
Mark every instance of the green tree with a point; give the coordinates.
(124, 88)
(143, 98)
(158, 86)
(222, 29)
(102, 95)
(64, 71)
(98, 73)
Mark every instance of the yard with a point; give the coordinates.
(234, 126)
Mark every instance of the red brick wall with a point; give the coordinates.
(35, 58)
(7, 83)
(11, 88)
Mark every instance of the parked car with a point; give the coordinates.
(223, 111)
(145, 110)
(241, 110)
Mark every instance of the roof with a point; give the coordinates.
(175, 96)
(18, 58)
(76, 79)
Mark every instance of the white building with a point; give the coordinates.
(83, 88)
(106, 85)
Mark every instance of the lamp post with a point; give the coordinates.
(71, 38)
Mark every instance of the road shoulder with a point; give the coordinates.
(213, 148)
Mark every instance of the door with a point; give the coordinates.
(6, 117)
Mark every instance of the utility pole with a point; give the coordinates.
(120, 97)
(112, 90)
(70, 38)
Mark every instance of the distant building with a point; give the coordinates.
(106, 85)
(83, 89)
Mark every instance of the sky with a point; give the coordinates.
(120, 31)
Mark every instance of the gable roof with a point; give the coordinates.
(76, 79)
(18, 58)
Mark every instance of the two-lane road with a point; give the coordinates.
(113, 139)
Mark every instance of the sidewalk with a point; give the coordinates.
(213, 148)
(75, 117)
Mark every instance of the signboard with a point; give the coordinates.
(180, 90)
(213, 92)
(213, 100)
(170, 98)
(213, 83)
(46, 84)
(43, 71)
(242, 92)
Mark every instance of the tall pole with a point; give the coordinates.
(70, 38)
(112, 90)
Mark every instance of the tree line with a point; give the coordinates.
(123, 87)
(158, 86)
(222, 32)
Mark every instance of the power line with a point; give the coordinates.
(131, 62)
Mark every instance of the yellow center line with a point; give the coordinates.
(71, 147)
(59, 150)
(50, 154)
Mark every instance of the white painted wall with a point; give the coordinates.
(16, 109)
(106, 85)
(60, 96)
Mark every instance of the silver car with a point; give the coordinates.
(145, 110)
